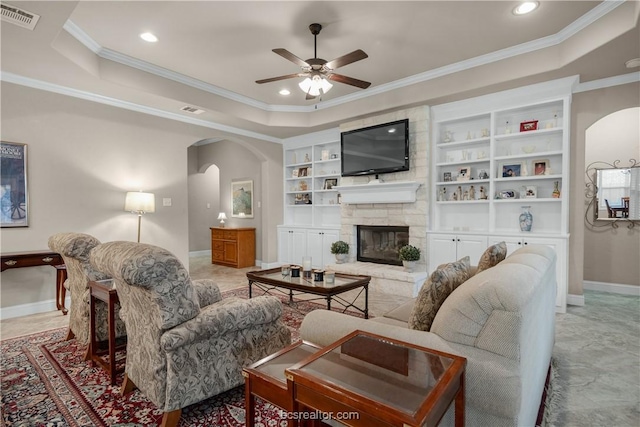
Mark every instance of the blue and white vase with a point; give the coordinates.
(526, 219)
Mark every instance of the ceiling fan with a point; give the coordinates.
(318, 71)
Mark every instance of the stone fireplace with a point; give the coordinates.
(380, 244)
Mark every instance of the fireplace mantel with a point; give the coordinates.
(380, 192)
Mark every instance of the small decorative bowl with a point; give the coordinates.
(529, 149)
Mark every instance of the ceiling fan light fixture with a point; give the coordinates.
(313, 85)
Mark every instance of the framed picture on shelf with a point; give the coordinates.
(464, 173)
(507, 194)
(527, 126)
(303, 171)
(510, 170)
(329, 183)
(541, 167)
(530, 191)
(242, 199)
(482, 174)
(447, 177)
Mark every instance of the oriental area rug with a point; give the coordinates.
(46, 382)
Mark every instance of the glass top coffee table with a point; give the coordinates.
(272, 279)
(365, 379)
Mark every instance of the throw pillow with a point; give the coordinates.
(435, 290)
(492, 256)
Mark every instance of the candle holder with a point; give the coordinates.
(306, 266)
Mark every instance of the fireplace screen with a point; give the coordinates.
(380, 244)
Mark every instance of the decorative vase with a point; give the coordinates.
(341, 258)
(409, 266)
(526, 219)
(556, 190)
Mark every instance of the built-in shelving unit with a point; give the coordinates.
(311, 199)
(491, 156)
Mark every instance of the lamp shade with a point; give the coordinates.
(313, 85)
(222, 215)
(139, 202)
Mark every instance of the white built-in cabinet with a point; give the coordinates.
(445, 247)
(483, 168)
(311, 201)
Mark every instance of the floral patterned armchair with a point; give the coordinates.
(74, 249)
(177, 353)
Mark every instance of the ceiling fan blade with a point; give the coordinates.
(275, 79)
(309, 96)
(348, 80)
(291, 57)
(354, 56)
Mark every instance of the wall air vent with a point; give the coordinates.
(192, 110)
(19, 17)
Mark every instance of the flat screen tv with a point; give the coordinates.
(376, 149)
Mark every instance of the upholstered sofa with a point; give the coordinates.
(501, 319)
(185, 342)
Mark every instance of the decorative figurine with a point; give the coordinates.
(442, 195)
(307, 158)
(459, 193)
(483, 195)
(472, 193)
(465, 196)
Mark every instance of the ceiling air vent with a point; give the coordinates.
(19, 17)
(192, 110)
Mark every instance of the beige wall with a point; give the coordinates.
(587, 108)
(82, 158)
(204, 202)
(611, 254)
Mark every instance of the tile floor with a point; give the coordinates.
(597, 349)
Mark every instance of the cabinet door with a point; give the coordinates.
(292, 245)
(442, 249)
(319, 246)
(473, 246)
(230, 252)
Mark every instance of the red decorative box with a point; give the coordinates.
(526, 126)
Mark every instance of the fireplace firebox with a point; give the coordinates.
(380, 243)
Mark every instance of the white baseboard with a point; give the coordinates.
(267, 265)
(613, 288)
(31, 308)
(575, 300)
(199, 253)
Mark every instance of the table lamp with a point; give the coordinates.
(222, 216)
(140, 203)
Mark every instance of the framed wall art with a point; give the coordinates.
(242, 199)
(14, 201)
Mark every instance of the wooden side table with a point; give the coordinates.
(104, 290)
(266, 379)
(365, 379)
(233, 247)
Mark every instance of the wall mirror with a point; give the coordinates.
(613, 194)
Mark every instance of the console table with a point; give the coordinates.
(36, 259)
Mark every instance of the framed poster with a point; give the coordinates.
(242, 199)
(14, 201)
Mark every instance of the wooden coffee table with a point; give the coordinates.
(265, 378)
(272, 279)
(366, 380)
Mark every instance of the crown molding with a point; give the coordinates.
(584, 21)
(114, 102)
(608, 82)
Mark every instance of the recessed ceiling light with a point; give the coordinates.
(148, 37)
(284, 92)
(526, 7)
(632, 63)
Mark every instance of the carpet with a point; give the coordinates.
(46, 382)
